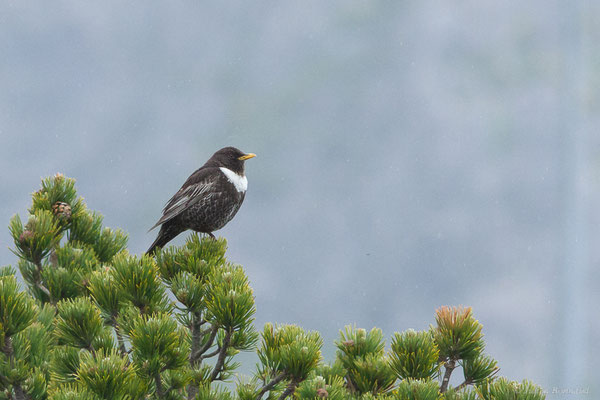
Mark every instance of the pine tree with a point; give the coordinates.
(96, 322)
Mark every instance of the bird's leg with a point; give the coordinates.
(211, 235)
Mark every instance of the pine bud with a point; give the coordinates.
(322, 393)
(183, 296)
(348, 343)
(62, 210)
(53, 258)
(25, 236)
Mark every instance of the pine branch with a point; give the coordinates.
(270, 385)
(4, 380)
(120, 340)
(192, 391)
(198, 355)
(9, 351)
(289, 390)
(222, 356)
(450, 365)
(91, 349)
(38, 282)
(350, 384)
(19, 392)
(195, 328)
(205, 330)
(159, 387)
(195, 353)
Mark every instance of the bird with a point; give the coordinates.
(208, 199)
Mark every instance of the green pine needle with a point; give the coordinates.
(158, 344)
(106, 294)
(359, 343)
(34, 240)
(290, 349)
(106, 374)
(478, 369)
(414, 389)
(229, 298)
(17, 308)
(457, 334)
(320, 388)
(78, 323)
(64, 363)
(414, 355)
(502, 388)
(102, 325)
(138, 281)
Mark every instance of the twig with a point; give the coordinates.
(120, 340)
(211, 354)
(38, 281)
(450, 365)
(350, 385)
(222, 355)
(289, 390)
(206, 330)
(44, 289)
(463, 385)
(270, 385)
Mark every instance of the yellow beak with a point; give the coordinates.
(247, 156)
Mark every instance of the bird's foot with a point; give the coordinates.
(211, 235)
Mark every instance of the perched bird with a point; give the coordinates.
(208, 199)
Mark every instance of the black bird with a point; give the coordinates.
(208, 199)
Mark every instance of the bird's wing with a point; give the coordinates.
(198, 186)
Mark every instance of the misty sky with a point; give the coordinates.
(410, 154)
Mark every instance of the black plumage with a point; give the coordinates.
(208, 199)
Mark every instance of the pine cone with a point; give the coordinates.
(62, 210)
(322, 393)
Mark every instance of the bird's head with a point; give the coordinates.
(231, 158)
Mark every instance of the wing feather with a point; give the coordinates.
(200, 185)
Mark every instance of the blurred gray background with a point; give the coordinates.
(411, 154)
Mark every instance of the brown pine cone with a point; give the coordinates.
(62, 210)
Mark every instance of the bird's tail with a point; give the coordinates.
(165, 235)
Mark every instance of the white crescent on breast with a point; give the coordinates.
(240, 182)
